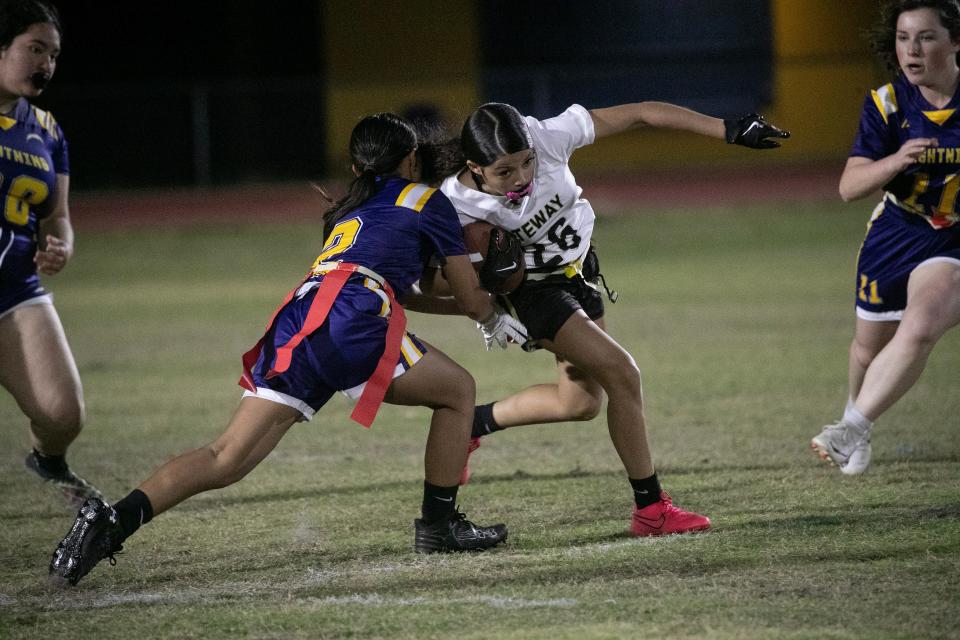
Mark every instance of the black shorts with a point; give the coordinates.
(544, 305)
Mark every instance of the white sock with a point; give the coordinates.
(849, 405)
(857, 420)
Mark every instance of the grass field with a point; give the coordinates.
(740, 322)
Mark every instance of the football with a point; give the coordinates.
(505, 272)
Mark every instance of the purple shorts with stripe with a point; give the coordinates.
(897, 242)
(339, 356)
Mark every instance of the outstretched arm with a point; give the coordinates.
(612, 120)
(750, 130)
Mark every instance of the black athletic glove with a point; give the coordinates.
(752, 131)
(504, 258)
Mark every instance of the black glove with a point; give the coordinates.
(504, 259)
(752, 131)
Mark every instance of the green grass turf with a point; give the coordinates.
(739, 320)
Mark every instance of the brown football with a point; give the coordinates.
(476, 236)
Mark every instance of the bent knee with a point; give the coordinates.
(226, 464)
(584, 406)
(864, 352)
(62, 418)
(920, 332)
(624, 378)
(460, 390)
(585, 411)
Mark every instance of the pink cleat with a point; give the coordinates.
(473, 446)
(662, 519)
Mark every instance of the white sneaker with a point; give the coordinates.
(845, 446)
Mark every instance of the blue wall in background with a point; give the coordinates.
(709, 56)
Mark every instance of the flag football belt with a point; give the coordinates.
(936, 219)
(335, 275)
(572, 270)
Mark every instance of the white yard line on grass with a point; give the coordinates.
(227, 593)
(497, 602)
(79, 598)
(313, 577)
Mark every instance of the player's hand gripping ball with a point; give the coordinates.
(497, 256)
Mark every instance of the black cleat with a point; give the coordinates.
(95, 535)
(74, 488)
(456, 533)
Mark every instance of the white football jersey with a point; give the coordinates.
(554, 224)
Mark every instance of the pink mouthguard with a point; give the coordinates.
(517, 196)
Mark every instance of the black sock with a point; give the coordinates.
(133, 511)
(438, 502)
(54, 465)
(646, 491)
(483, 422)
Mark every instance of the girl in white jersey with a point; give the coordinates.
(516, 176)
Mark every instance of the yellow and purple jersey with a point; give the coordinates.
(917, 221)
(32, 152)
(334, 342)
(895, 113)
(395, 232)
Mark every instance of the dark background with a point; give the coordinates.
(179, 93)
(709, 56)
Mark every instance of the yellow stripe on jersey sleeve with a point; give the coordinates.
(886, 101)
(414, 196)
(6, 123)
(45, 118)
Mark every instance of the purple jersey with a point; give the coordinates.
(893, 114)
(396, 231)
(32, 152)
(392, 234)
(917, 220)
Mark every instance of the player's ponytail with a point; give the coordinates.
(378, 144)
